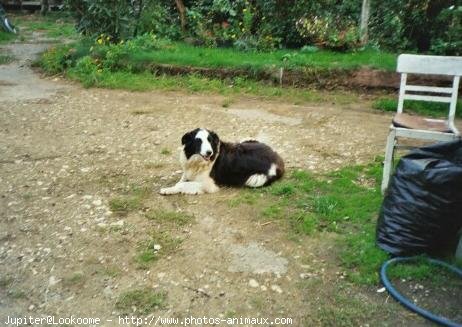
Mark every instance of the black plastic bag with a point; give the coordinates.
(422, 209)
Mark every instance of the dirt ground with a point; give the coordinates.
(67, 151)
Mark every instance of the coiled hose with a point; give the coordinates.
(407, 303)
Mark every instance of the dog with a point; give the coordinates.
(209, 163)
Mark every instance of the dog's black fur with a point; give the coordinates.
(235, 162)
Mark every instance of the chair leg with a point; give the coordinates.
(388, 163)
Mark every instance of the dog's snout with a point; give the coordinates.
(208, 153)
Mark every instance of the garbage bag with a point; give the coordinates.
(422, 209)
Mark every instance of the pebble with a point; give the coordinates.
(276, 289)
(118, 223)
(253, 283)
(157, 247)
(52, 281)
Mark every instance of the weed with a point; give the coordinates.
(5, 59)
(5, 281)
(144, 300)
(123, 205)
(111, 271)
(6, 37)
(154, 165)
(245, 197)
(165, 152)
(171, 217)
(160, 244)
(130, 202)
(227, 102)
(17, 294)
(77, 278)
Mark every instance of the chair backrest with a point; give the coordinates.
(430, 65)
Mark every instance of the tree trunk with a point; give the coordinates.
(182, 12)
(44, 7)
(364, 26)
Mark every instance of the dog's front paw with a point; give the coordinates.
(192, 191)
(167, 191)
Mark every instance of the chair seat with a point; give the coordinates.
(416, 122)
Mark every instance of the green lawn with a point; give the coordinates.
(182, 54)
(429, 109)
(6, 37)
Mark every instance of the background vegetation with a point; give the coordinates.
(413, 25)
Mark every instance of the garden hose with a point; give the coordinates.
(406, 302)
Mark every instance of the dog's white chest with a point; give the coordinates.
(195, 168)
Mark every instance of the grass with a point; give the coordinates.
(346, 202)
(165, 152)
(54, 25)
(345, 308)
(169, 217)
(132, 201)
(77, 278)
(146, 253)
(182, 54)
(6, 37)
(6, 281)
(144, 300)
(429, 109)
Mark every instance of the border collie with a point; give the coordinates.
(208, 163)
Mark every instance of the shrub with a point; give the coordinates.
(86, 70)
(449, 42)
(114, 18)
(329, 32)
(56, 60)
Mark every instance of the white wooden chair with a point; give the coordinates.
(415, 127)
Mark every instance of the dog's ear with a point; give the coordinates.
(215, 139)
(187, 137)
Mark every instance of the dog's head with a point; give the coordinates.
(201, 142)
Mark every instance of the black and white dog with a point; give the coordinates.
(208, 162)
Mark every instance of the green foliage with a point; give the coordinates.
(159, 19)
(267, 25)
(418, 25)
(448, 40)
(115, 18)
(329, 32)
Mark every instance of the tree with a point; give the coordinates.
(182, 13)
(364, 26)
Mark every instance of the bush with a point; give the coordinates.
(114, 18)
(449, 41)
(56, 60)
(86, 70)
(417, 25)
(329, 32)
